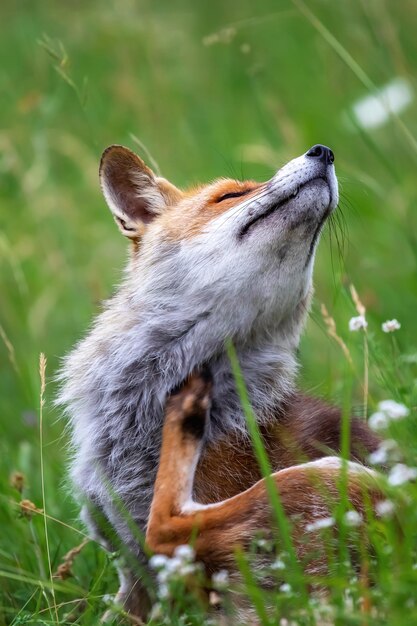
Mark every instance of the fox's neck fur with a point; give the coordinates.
(117, 379)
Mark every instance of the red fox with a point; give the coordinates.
(227, 261)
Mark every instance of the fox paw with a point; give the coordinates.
(190, 404)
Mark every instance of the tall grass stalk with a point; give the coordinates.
(42, 374)
(282, 523)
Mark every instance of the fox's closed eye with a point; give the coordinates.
(233, 194)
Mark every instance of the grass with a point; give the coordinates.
(206, 90)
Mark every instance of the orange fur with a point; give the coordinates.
(199, 205)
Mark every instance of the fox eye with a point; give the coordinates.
(233, 194)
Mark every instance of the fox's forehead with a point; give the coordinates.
(203, 203)
(214, 190)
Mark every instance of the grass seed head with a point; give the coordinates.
(17, 481)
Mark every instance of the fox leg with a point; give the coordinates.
(174, 516)
(306, 491)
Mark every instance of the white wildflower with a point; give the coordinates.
(401, 474)
(285, 588)
(376, 109)
(386, 450)
(278, 564)
(378, 421)
(163, 576)
(357, 323)
(390, 445)
(172, 569)
(173, 565)
(391, 325)
(158, 561)
(387, 410)
(187, 569)
(410, 358)
(379, 457)
(393, 410)
(163, 592)
(263, 544)
(220, 579)
(157, 612)
(353, 518)
(108, 598)
(324, 522)
(385, 508)
(185, 553)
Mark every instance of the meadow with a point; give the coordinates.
(201, 90)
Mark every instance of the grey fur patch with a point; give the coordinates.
(115, 384)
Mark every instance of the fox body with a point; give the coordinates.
(230, 260)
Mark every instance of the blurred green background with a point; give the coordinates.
(207, 89)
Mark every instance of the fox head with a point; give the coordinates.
(232, 259)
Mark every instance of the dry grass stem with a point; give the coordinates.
(50, 517)
(357, 302)
(361, 309)
(64, 570)
(28, 508)
(332, 332)
(42, 375)
(10, 349)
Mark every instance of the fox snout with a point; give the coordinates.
(323, 153)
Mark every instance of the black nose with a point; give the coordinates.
(323, 153)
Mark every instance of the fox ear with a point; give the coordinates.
(132, 191)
